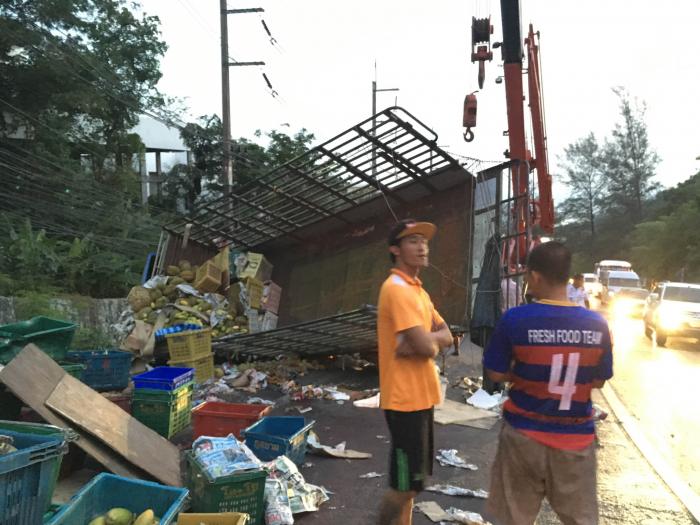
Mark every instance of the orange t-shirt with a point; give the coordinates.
(411, 383)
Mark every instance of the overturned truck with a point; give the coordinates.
(322, 219)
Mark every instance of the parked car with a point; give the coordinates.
(629, 302)
(673, 309)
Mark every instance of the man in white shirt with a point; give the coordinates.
(576, 293)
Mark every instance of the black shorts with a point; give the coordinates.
(411, 460)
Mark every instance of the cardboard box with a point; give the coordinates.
(208, 278)
(272, 293)
(256, 267)
(253, 320)
(254, 291)
(269, 322)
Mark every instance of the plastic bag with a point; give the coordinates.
(277, 509)
(221, 457)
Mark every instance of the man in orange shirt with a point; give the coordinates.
(411, 333)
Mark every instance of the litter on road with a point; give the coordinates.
(482, 399)
(371, 475)
(339, 451)
(453, 490)
(450, 457)
(432, 510)
(465, 517)
(369, 402)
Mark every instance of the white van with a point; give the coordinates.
(592, 285)
(619, 280)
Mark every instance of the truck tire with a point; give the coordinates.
(661, 338)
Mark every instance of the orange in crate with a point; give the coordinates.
(217, 419)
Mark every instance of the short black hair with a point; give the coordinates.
(552, 260)
(394, 233)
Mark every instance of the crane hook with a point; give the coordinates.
(468, 135)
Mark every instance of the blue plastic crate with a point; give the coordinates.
(104, 369)
(164, 378)
(275, 436)
(107, 491)
(27, 477)
(185, 327)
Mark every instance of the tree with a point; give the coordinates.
(629, 161)
(74, 78)
(583, 169)
(668, 246)
(80, 70)
(188, 184)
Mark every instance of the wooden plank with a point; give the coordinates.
(140, 445)
(32, 376)
(455, 413)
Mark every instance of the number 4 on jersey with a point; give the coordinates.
(567, 389)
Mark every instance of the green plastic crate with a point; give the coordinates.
(52, 336)
(165, 416)
(149, 394)
(242, 492)
(73, 369)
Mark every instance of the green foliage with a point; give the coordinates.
(668, 247)
(629, 161)
(74, 80)
(91, 339)
(33, 261)
(32, 304)
(584, 176)
(186, 185)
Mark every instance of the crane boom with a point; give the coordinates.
(532, 210)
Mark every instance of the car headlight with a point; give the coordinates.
(669, 318)
(623, 308)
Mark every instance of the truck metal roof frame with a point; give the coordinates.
(375, 157)
(346, 333)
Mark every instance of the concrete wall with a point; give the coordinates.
(97, 314)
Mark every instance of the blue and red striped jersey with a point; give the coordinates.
(554, 351)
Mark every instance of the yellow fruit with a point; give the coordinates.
(118, 516)
(98, 521)
(187, 275)
(145, 518)
(185, 265)
(173, 270)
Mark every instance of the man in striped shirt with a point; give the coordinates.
(553, 353)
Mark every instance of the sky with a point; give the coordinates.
(323, 67)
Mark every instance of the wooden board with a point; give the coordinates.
(126, 435)
(32, 376)
(455, 413)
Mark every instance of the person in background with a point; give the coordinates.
(410, 334)
(576, 293)
(553, 353)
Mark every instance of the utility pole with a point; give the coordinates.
(374, 113)
(227, 168)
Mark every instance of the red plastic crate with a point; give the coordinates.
(217, 419)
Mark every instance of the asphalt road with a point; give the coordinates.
(629, 491)
(659, 386)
